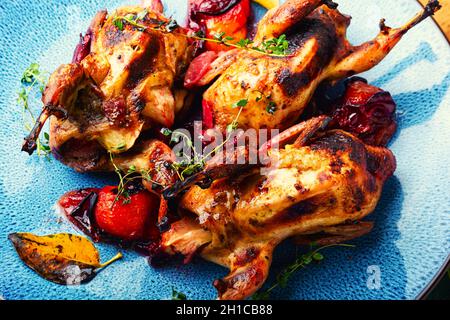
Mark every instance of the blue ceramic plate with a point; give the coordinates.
(411, 238)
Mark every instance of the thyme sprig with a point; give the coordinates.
(314, 255)
(276, 47)
(33, 78)
(192, 165)
(125, 178)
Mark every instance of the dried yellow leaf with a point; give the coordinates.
(62, 258)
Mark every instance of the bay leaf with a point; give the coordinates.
(63, 258)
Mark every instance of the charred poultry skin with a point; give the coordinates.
(121, 83)
(319, 183)
(319, 51)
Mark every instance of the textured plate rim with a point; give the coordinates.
(423, 295)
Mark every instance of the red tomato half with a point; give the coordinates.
(233, 21)
(132, 219)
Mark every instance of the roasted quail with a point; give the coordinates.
(318, 51)
(123, 80)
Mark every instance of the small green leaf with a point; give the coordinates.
(317, 256)
(141, 15)
(307, 258)
(199, 34)
(265, 295)
(241, 103)
(271, 107)
(243, 43)
(176, 295)
(118, 23)
(219, 36)
(166, 132)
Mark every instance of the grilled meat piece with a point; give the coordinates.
(321, 180)
(319, 50)
(123, 80)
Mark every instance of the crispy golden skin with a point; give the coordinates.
(126, 84)
(319, 51)
(312, 185)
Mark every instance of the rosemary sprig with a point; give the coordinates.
(300, 263)
(33, 78)
(277, 47)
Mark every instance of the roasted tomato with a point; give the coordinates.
(216, 16)
(367, 111)
(357, 107)
(132, 218)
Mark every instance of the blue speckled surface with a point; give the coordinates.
(411, 238)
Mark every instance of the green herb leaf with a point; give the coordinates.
(300, 263)
(32, 78)
(199, 34)
(166, 132)
(171, 25)
(240, 104)
(219, 36)
(244, 43)
(118, 23)
(271, 107)
(176, 295)
(317, 256)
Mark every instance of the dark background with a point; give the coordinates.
(442, 290)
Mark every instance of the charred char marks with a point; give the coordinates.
(116, 111)
(336, 165)
(338, 142)
(143, 64)
(293, 82)
(297, 210)
(323, 31)
(138, 103)
(373, 164)
(246, 256)
(114, 36)
(358, 196)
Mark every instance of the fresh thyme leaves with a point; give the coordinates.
(177, 295)
(118, 23)
(136, 19)
(166, 132)
(33, 78)
(190, 165)
(277, 47)
(131, 19)
(271, 106)
(274, 47)
(240, 103)
(301, 262)
(244, 43)
(125, 178)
